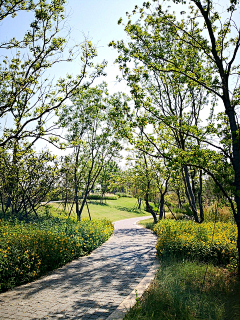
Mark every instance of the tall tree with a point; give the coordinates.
(90, 134)
(27, 96)
(108, 173)
(162, 40)
(143, 180)
(26, 181)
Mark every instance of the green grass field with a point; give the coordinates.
(113, 210)
(183, 290)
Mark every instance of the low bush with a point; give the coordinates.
(208, 242)
(29, 250)
(221, 213)
(105, 197)
(123, 195)
(176, 216)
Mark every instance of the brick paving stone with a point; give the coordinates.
(91, 287)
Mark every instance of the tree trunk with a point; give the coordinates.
(193, 174)
(82, 205)
(191, 198)
(161, 206)
(88, 211)
(162, 199)
(76, 183)
(139, 203)
(69, 214)
(14, 179)
(236, 165)
(170, 211)
(76, 201)
(200, 198)
(179, 198)
(76, 193)
(149, 209)
(65, 201)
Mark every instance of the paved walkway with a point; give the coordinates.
(92, 287)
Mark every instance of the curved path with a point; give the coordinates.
(99, 286)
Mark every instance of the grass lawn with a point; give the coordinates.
(181, 290)
(113, 210)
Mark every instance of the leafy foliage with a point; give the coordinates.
(29, 250)
(208, 242)
(27, 178)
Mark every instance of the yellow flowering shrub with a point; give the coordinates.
(207, 242)
(29, 250)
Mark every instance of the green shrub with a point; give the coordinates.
(29, 250)
(187, 239)
(220, 213)
(123, 195)
(177, 215)
(99, 197)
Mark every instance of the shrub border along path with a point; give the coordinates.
(99, 286)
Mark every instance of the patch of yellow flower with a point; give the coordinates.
(207, 242)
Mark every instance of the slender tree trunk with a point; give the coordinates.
(85, 195)
(139, 203)
(193, 174)
(76, 193)
(200, 198)
(2, 205)
(76, 200)
(65, 201)
(171, 212)
(88, 211)
(76, 183)
(149, 208)
(14, 179)
(83, 204)
(89, 186)
(102, 195)
(186, 189)
(69, 214)
(161, 206)
(192, 201)
(162, 199)
(66, 194)
(179, 199)
(236, 165)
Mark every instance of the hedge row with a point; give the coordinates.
(29, 250)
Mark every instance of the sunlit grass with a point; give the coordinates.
(113, 210)
(183, 290)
